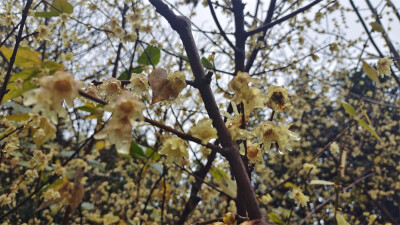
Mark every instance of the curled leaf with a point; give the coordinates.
(165, 87)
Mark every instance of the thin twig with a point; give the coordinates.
(18, 39)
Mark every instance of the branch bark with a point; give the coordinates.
(266, 27)
(3, 90)
(230, 150)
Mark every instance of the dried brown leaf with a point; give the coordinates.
(78, 189)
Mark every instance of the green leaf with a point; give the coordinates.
(47, 14)
(158, 168)
(25, 74)
(53, 66)
(58, 7)
(370, 71)
(124, 76)
(206, 63)
(25, 164)
(62, 6)
(377, 27)
(151, 153)
(24, 58)
(275, 218)
(348, 108)
(368, 128)
(137, 69)
(137, 152)
(217, 173)
(67, 154)
(150, 56)
(341, 220)
(86, 109)
(16, 92)
(97, 164)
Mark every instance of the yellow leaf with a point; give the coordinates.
(24, 58)
(45, 132)
(370, 71)
(18, 91)
(368, 128)
(376, 27)
(377, 159)
(290, 185)
(321, 182)
(19, 117)
(229, 186)
(341, 220)
(348, 108)
(109, 218)
(100, 145)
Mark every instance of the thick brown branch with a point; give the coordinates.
(231, 151)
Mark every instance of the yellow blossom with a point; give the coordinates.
(233, 124)
(51, 194)
(54, 90)
(265, 199)
(229, 218)
(270, 133)
(250, 96)
(299, 197)
(175, 148)
(126, 105)
(278, 98)
(177, 82)
(309, 168)
(254, 153)
(110, 89)
(383, 67)
(204, 131)
(139, 83)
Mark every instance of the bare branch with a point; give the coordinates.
(265, 27)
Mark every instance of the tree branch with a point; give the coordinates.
(18, 39)
(265, 27)
(222, 32)
(255, 51)
(230, 150)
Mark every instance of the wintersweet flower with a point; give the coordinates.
(126, 109)
(383, 66)
(270, 133)
(139, 83)
(233, 124)
(117, 131)
(204, 131)
(250, 96)
(177, 82)
(54, 90)
(278, 98)
(126, 106)
(110, 89)
(254, 153)
(175, 149)
(299, 197)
